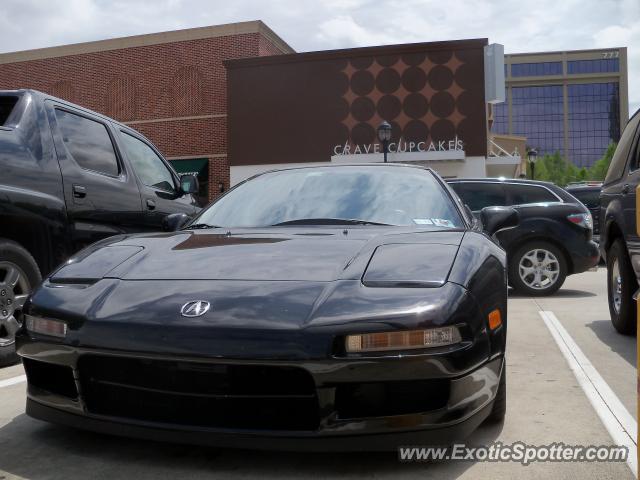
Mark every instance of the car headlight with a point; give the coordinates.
(46, 326)
(402, 340)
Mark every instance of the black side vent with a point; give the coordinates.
(51, 378)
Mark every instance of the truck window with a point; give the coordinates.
(88, 142)
(7, 102)
(150, 168)
(524, 194)
(619, 160)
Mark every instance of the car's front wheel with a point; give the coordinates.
(19, 274)
(621, 285)
(537, 269)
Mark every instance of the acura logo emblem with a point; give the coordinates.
(195, 308)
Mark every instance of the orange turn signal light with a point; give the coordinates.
(495, 319)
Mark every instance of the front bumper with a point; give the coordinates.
(335, 413)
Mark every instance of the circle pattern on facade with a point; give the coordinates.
(423, 95)
(389, 107)
(362, 82)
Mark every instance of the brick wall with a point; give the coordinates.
(153, 88)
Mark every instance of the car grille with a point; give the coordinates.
(200, 394)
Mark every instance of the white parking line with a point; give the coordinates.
(13, 381)
(616, 418)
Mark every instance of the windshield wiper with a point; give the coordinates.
(199, 226)
(327, 221)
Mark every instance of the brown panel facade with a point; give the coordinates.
(301, 107)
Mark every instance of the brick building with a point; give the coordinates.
(170, 86)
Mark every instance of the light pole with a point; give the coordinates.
(384, 135)
(532, 156)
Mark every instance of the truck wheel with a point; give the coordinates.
(621, 285)
(19, 274)
(499, 409)
(537, 269)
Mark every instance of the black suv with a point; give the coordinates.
(619, 238)
(70, 177)
(553, 238)
(589, 194)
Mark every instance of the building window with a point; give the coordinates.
(594, 120)
(536, 69)
(500, 118)
(537, 113)
(601, 65)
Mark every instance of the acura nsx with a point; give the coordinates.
(342, 307)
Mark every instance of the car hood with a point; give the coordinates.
(312, 254)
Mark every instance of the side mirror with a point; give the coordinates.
(497, 218)
(174, 222)
(189, 184)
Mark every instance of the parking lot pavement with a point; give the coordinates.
(546, 404)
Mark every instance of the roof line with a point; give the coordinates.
(239, 28)
(583, 50)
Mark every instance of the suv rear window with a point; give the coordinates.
(524, 194)
(589, 198)
(7, 103)
(88, 142)
(477, 195)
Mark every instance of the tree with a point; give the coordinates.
(553, 168)
(599, 169)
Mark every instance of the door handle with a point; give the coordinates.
(79, 191)
(151, 205)
(625, 188)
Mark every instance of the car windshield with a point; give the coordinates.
(390, 195)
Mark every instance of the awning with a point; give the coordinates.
(191, 166)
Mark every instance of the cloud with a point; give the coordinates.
(522, 26)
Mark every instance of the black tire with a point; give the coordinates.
(12, 253)
(499, 409)
(514, 274)
(623, 317)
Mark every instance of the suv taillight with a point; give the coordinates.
(583, 220)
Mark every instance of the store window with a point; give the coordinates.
(198, 167)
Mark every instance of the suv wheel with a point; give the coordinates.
(537, 269)
(19, 273)
(621, 285)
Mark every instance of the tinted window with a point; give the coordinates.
(389, 195)
(479, 195)
(590, 198)
(616, 169)
(6, 107)
(148, 165)
(536, 69)
(88, 142)
(524, 194)
(602, 65)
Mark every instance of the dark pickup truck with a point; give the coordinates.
(70, 177)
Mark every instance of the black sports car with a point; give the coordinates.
(335, 307)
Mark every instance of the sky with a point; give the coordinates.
(306, 25)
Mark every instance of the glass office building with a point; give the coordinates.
(574, 103)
